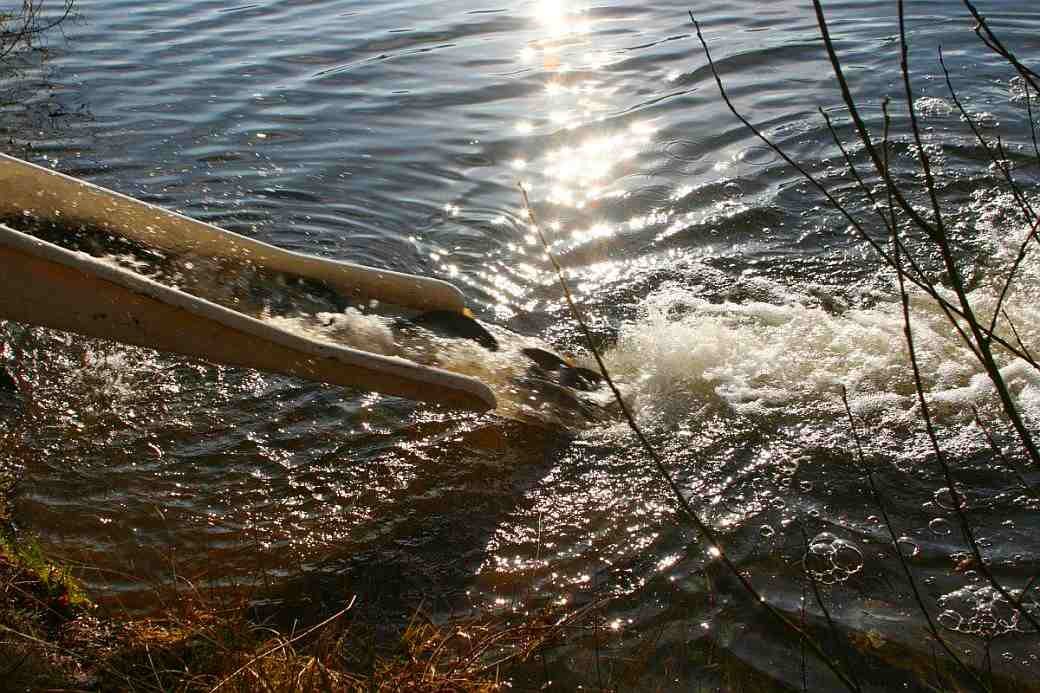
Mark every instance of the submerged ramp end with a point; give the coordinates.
(44, 284)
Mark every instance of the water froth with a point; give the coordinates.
(690, 349)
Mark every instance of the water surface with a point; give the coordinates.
(733, 305)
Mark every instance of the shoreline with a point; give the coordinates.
(53, 637)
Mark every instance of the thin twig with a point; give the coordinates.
(1031, 583)
(1019, 258)
(998, 159)
(953, 273)
(27, 26)
(1025, 485)
(915, 129)
(872, 199)
(919, 278)
(1032, 123)
(1014, 331)
(948, 309)
(926, 415)
(875, 493)
(993, 42)
(861, 126)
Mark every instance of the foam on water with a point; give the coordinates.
(689, 350)
(351, 327)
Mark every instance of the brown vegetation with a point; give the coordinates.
(51, 637)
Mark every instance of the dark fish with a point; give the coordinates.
(548, 360)
(567, 373)
(581, 378)
(456, 325)
(7, 381)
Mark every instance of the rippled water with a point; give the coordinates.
(733, 305)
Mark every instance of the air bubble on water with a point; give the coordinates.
(944, 499)
(983, 119)
(940, 526)
(847, 557)
(978, 610)
(908, 547)
(932, 106)
(950, 619)
(1017, 90)
(831, 560)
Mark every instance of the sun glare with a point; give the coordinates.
(559, 18)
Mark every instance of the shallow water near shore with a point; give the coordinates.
(731, 303)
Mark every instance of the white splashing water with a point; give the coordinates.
(687, 351)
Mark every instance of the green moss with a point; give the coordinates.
(52, 579)
(37, 602)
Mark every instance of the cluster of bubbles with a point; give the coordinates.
(1017, 92)
(978, 610)
(830, 560)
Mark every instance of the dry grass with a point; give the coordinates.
(51, 637)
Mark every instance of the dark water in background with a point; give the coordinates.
(735, 306)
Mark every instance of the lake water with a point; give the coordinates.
(732, 303)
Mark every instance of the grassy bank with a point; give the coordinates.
(52, 637)
(40, 608)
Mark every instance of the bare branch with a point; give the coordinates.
(999, 160)
(983, 31)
